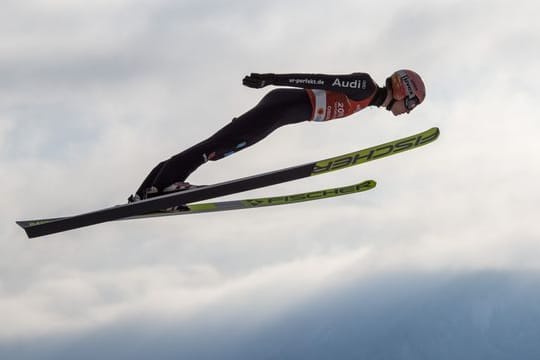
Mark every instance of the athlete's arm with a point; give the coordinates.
(356, 86)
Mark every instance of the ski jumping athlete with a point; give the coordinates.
(318, 97)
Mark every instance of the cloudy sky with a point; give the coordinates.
(439, 261)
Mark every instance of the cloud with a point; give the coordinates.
(62, 300)
(401, 316)
(94, 95)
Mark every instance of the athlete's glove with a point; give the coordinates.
(258, 81)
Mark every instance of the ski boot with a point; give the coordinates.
(148, 193)
(177, 187)
(153, 191)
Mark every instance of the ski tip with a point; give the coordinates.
(435, 131)
(370, 183)
(429, 136)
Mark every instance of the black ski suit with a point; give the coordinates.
(322, 97)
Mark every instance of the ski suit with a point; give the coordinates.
(319, 98)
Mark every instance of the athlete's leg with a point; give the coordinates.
(278, 108)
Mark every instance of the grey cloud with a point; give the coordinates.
(476, 315)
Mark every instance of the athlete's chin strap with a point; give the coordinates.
(379, 97)
(390, 104)
(389, 86)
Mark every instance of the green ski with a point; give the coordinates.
(263, 202)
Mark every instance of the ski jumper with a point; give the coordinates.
(320, 98)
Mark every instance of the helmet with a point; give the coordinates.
(408, 86)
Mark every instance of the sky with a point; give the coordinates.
(438, 261)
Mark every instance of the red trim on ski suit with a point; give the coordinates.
(329, 105)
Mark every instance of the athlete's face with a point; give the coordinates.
(399, 108)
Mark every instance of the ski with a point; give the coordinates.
(35, 228)
(220, 206)
(263, 202)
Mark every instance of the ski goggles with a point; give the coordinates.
(411, 102)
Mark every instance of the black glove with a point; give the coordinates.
(258, 81)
